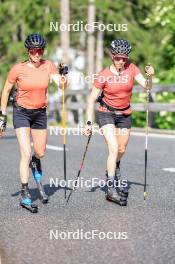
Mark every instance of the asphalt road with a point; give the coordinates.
(149, 226)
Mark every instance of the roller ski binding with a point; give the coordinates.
(26, 202)
(35, 166)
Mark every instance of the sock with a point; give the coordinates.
(118, 164)
(24, 185)
(34, 157)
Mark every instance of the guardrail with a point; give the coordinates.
(153, 106)
(80, 104)
(137, 107)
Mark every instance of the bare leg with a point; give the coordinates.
(122, 139)
(23, 137)
(109, 132)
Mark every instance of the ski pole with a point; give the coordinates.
(146, 137)
(81, 167)
(64, 129)
(63, 71)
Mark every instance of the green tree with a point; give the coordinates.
(18, 19)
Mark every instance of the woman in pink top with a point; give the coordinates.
(29, 112)
(115, 83)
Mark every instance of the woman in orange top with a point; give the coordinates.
(114, 113)
(29, 111)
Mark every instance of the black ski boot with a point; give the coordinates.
(26, 202)
(112, 195)
(121, 190)
(35, 166)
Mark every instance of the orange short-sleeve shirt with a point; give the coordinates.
(117, 89)
(32, 83)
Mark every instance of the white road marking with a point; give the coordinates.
(51, 147)
(55, 148)
(142, 134)
(169, 169)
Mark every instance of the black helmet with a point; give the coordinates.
(35, 41)
(120, 46)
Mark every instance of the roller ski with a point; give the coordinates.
(26, 202)
(112, 194)
(35, 166)
(121, 190)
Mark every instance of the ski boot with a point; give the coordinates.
(112, 195)
(35, 166)
(26, 202)
(121, 190)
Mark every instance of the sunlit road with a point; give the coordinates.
(27, 238)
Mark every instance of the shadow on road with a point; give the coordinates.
(51, 190)
(129, 186)
(48, 190)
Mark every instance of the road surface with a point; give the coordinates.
(145, 229)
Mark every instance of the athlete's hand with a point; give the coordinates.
(63, 69)
(3, 123)
(87, 130)
(149, 70)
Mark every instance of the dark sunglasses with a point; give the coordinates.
(35, 51)
(117, 58)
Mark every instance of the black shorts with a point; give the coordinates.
(36, 119)
(120, 121)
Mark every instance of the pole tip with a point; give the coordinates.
(145, 195)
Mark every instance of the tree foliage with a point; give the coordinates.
(151, 31)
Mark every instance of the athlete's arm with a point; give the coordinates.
(91, 103)
(149, 70)
(5, 95)
(141, 80)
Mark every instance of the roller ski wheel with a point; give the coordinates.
(26, 202)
